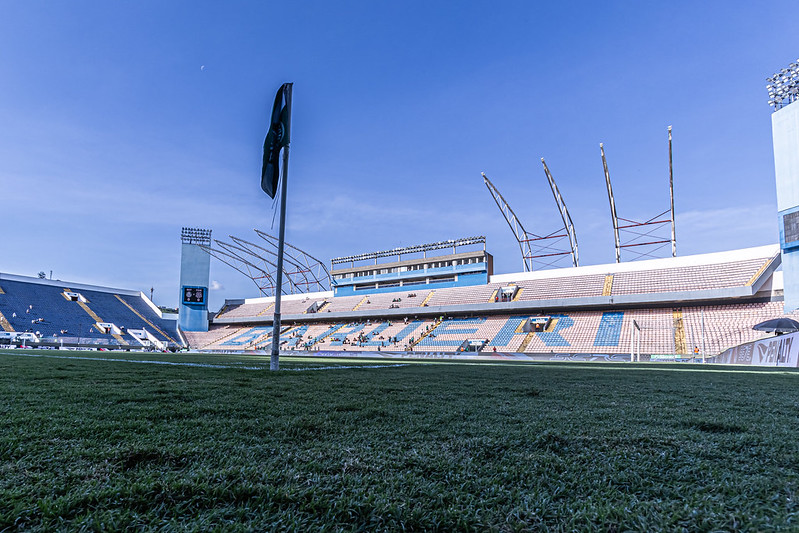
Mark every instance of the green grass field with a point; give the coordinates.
(105, 445)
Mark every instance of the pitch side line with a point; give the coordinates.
(204, 365)
(338, 367)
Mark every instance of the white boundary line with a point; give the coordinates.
(339, 367)
(205, 365)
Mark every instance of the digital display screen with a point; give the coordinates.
(790, 224)
(193, 295)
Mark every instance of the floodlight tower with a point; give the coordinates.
(195, 272)
(544, 250)
(642, 239)
(783, 93)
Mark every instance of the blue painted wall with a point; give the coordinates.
(464, 280)
(472, 274)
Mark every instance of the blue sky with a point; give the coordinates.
(122, 122)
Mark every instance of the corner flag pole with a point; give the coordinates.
(274, 361)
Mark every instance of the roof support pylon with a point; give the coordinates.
(513, 221)
(671, 196)
(612, 204)
(545, 250)
(642, 239)
(564, 215)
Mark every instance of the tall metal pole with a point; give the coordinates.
(274, 361)
(703, 335)
(521, 235)
(612, 204)
(671, 195)
(564, 214)
(632, 342)
(638, 345)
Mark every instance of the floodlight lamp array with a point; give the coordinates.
(783, 87)
(195, 236)
(451, 243)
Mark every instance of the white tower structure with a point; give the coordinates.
(783, 91)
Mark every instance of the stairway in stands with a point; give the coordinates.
(149, 323)
(363, 300)
(267, 338)
(527, 338)
(266, 309)
(680, 345)
(333, 329)
(427, 299)
(607, 287)
(5, 324)
(224, 337)
(437, 323)
(96, 318)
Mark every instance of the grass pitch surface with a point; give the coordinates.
(103, 445)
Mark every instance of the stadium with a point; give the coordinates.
(443, 299)
(580, 312)
(411, 382)
(431, 300)
(661, 307)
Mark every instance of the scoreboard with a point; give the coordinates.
(194, 295)
(790, 229)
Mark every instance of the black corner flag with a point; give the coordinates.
(277, 137)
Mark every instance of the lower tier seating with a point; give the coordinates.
(711, 329)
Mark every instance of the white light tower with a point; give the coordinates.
(195, 271)
(783, 92)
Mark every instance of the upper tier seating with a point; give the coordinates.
(690, 278)
(244, 310)
(393, 300)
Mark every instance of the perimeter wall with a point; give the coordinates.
(781, 350)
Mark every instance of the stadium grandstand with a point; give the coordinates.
(673, 305)
(57, 313)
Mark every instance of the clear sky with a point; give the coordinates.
(121, 122)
